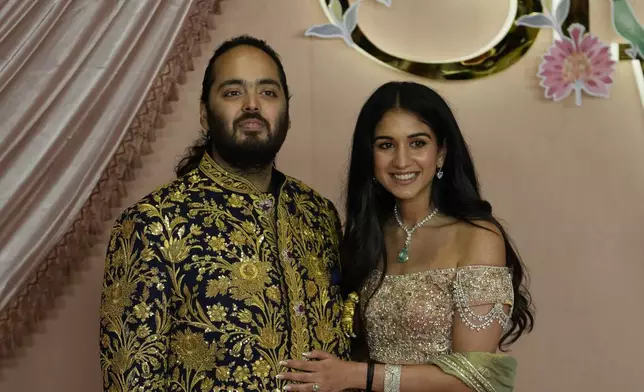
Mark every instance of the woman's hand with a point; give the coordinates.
(321, 372)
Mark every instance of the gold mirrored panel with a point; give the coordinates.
(508, 51)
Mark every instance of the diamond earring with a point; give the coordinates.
(440, 173)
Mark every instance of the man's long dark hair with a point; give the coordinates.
(369, 206)
(194, 153)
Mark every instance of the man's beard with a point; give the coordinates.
(253, 153)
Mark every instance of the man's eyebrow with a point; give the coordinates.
(270, 81)
(239, 82)
(230, 82)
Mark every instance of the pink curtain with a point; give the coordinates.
(83, 84)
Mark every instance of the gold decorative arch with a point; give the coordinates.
(508, 51)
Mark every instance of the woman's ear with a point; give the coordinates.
(442, 154)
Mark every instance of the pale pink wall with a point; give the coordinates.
(568, 182)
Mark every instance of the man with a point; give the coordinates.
(215, 278)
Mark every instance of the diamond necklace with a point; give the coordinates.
(403, 255)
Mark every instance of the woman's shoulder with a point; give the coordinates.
(481, 243)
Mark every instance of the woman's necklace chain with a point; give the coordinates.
(403, 255)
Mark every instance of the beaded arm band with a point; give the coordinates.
(392, 378)
(348, 312)
(472, 319)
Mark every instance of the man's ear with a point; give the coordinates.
(203, 116)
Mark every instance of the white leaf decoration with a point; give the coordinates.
(386, 3)
(325, 31)
(335, 11)
(350, 19)
(561, 13)
(337, 29)
(536, 20)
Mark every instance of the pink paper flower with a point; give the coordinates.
(580, 62)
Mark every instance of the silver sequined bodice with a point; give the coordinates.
(409, 319)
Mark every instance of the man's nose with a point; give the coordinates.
(251, 104)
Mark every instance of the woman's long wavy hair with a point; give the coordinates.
(369, 206)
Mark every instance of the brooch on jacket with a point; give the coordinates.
(348, 312)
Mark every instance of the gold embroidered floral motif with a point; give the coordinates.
(217, 287)
(268, 338)
(210, 283)
(251, 276)
(262, 368)
(217, 243)
(217, 313)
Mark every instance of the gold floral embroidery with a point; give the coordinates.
(210, 283)
(178, 195)
(207, 384)
(235, 201)
(311, 288)
(241, 374)
(273, 293)
(175, 250)
(217, 287)
(156, 228)
(317, 270)
(193, 351)
(217, 243)
(262, 368)
(143, 331)
(251, 276)
(268, 338)
(142, 311)
(217, 313)
(117, 298)
(223, 373)
(238, 238)
(248, 227)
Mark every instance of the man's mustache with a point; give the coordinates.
(251, 116)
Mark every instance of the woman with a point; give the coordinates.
(440, 286)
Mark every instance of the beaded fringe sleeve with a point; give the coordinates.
(483, 285)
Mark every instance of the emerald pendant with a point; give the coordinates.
(403, 256)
